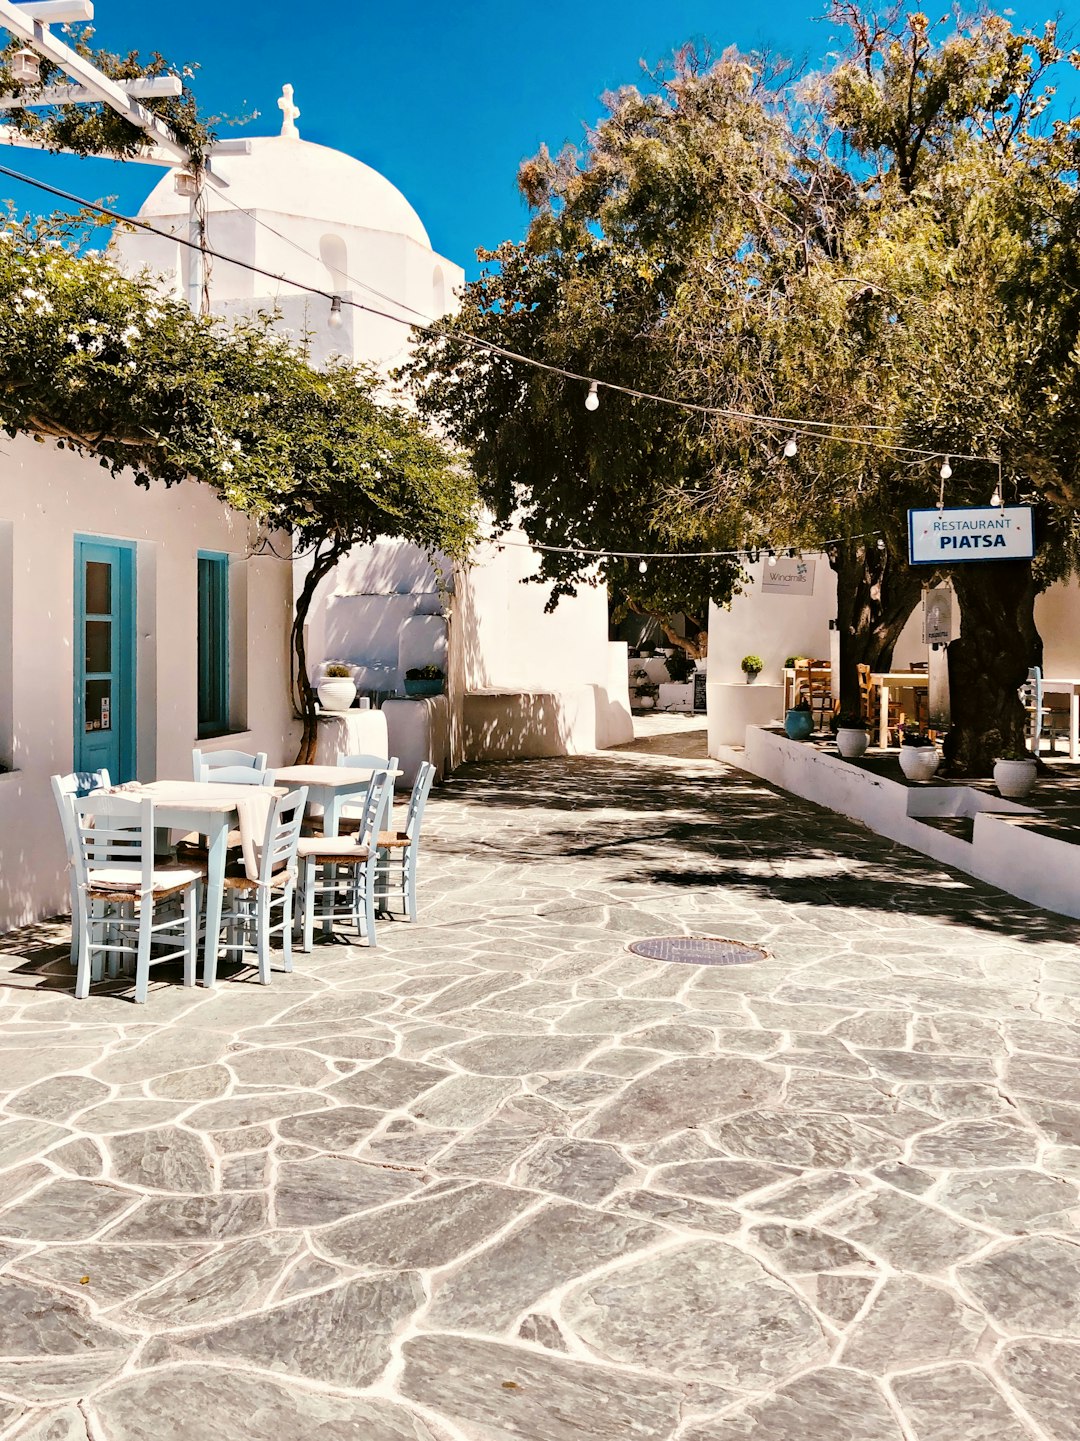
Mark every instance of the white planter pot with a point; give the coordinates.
(645, 702)
(1014, 778)
(919, 762)
(851, 742)
(751, 676)
(337, 693)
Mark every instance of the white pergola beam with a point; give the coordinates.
(58, 12)
(19, 22)
(154, 87)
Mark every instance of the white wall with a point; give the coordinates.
(510, 641)
(772, 626)
(46, 498)
(1057, 619)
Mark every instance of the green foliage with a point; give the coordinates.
(336, 671)
(425, 672)
(109, 366)
(752, 664)
(93, 128)
(679, 667)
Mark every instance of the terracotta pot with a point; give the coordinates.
(851, 742)
(337, 693)
(1014, 778)
(919, 762)
(798, 724)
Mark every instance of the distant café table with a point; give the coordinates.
(331, 787)
(887, 681)
(1071, 688)
(213, 809)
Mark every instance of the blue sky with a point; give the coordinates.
(444, 101)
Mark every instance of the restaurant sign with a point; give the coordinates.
(789, 575)
(962, 533)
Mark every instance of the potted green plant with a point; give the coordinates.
(799, 721)
(679, 667)
(337, 689)
(752, 666)
(851, 736)
(1015, 771)
(919, 756)
(424, 680)
(645, 690)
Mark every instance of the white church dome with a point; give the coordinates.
(284, 175)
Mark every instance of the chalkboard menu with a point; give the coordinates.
(699, 691)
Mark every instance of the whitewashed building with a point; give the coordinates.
(101, 588)
(521, 682)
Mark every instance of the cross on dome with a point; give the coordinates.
(290, 114)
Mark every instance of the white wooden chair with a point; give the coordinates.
(264, 883)
(396, 866)
(65, 789)
(350, 819)
(338, 872)
(238, 768)
(120, 887)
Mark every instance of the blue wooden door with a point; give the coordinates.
(104, 644)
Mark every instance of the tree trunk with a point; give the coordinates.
(876, 591)
(322, 564)
(988, 663)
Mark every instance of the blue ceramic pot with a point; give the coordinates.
(798, 724)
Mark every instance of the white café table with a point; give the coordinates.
(900, 680)
(328, 786)
(1071, 688)
(212, 809)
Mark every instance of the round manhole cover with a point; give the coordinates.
(698, 951)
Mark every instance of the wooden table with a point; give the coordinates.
(212, 809)
(1071, 688)
(900, 680)
(328, 786)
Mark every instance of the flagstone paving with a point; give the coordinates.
(500, 1180)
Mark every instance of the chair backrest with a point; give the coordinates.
(283, 821)
(1031, 694)
(65, 789)
(425, 777)
(242, 767)
(361, 761)
(111, 832)
(375, 810)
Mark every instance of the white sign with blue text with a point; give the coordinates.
(961, 533)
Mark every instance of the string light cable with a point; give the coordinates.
(751, 553)
(816, 429)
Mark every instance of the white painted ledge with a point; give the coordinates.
(1023, 863)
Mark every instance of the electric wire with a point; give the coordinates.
(817, 429)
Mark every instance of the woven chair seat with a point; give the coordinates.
(124, 883)
(393, 840)
(237, 879)
(331, 850)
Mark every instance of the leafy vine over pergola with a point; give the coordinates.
(110, 367)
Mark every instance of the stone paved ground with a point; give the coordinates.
(501, 1179)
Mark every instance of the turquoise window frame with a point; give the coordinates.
(213, 644)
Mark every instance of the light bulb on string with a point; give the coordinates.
(643, 566)
(880, 544)
(995, 499)
(791, 447)
(592, 400)
(772, 558)
(336, 317)
(946, 469)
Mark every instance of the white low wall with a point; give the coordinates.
(732, 706)
(1023, 863)
(518, 724)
